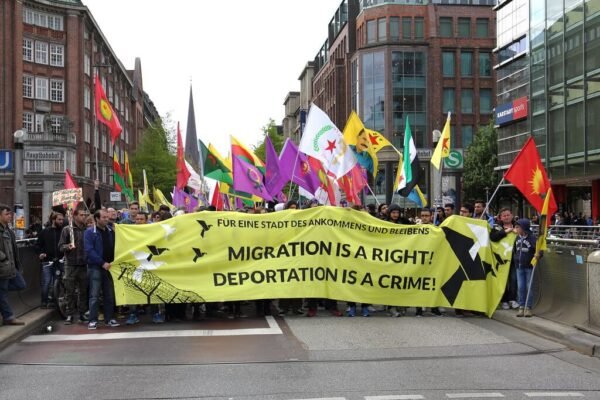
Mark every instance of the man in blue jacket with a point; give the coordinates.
(524, 253)
(99, 244)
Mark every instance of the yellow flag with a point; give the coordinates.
(240, 150)
(378, 141)
(356, 136)
(160, 199)
(442, 150)
(540, 244)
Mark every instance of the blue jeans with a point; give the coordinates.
(101, 279)
(48, 274)
(6, 285)
(523, 280)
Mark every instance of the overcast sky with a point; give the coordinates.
(242, 56)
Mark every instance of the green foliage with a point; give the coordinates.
(277, 140)
(480, 160)
(156, 154)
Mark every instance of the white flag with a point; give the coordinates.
(194, 181)
(324, 141)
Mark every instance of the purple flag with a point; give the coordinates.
(239, 204)
(226, 205)
(247, 178)
(294, 166)
(183, 199)
(274, 179)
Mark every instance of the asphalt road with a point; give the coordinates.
(377, 358)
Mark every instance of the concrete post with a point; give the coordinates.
(593, 266)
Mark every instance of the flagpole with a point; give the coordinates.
(487, 206)
(373, 194)
(95, 127)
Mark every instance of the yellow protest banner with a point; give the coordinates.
(322, 252)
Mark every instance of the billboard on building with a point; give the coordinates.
(513, 111)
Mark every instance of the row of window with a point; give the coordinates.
(37, 166)
(446, 28)
(466, 100)
(41, 88)
(34, 123)
(43, 52)
(466, 63)
(106, 172)
(377, 30)
(45, 20)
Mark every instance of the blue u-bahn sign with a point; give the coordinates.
(6, 160)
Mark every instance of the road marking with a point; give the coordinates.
(273, 329)
(473, 395)
(396, 397)
(324, 398)
(554, 394)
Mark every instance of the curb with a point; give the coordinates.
(573, 338)
(33, 320)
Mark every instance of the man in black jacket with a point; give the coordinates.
(10, 276)
(524, 253)
(75, 277)
(49, 254)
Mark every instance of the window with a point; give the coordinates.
(394, 28)
(41, 88)
(464, 27)
(28, 122)
(381, 30)
(57, 55)
(55, 22)
(466, 63)
(41, 52)
(126, 131)
(56, 124)
(40, 19)
(419, 27)
(448, 63)
(87, 132)
(87, 65)
(446, 26)
(467, 136)
(485, 64)
(27, 50)
(28, 16)
(485, 101)
(482, 27)
(34, 166)
(448, 101)
(103, 141)
(371, 31)
(57, 90)
(28, 86)
(40, 122)
(87, 98)
(466, 101)
(406, 27)
(87, 167)
(58, 166)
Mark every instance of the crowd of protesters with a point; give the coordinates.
(85, 251)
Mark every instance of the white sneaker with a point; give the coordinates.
(505, 306)
(514, 305)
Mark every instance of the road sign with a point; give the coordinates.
(115, 196)
(6, 160)
(455, 159)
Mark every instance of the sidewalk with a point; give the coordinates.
(571, 337)
(34, 320)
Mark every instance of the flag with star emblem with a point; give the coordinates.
(324, 141)
(442, 150)
(357, 138)
(527, 173)
(213, 165)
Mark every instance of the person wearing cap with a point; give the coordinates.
(524, 253)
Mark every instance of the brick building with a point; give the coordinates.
(50, 51)
(392, 59)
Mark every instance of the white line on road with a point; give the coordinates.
(273, 329)
(324, 398)
(554, 394)
(396, 397)
(473, 395)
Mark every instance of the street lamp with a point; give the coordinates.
(19, 184)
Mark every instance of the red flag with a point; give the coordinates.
(69, 181)
(326, 183)
(527, 173)
(182, 172)
(217, 200)
(105, 113)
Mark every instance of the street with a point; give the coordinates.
(376, 358)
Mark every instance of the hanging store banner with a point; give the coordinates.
(321, 252)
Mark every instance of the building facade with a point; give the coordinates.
(548, 86)
(51, 51)
(393, 61)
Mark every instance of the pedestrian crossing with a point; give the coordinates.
(466, 395)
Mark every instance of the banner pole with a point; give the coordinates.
(487, 206)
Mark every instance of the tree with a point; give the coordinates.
(480, 160)
(156, 154)
(277, 140)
